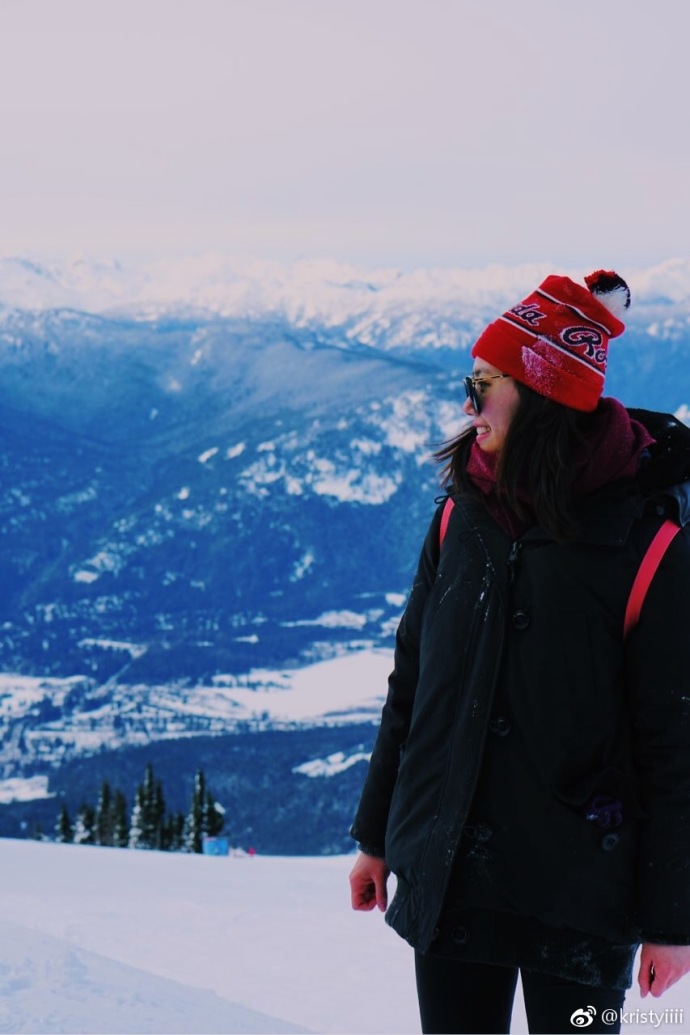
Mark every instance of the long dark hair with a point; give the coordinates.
(536, 462)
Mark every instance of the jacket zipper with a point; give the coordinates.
(512, 561)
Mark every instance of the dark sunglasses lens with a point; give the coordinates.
(472, 394)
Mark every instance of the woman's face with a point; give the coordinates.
(499, 400)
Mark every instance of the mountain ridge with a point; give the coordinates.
(308, 291)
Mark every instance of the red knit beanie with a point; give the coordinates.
(556, 341)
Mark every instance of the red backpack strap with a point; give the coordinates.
(445, 518)
(645, 573)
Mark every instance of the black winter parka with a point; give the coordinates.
(519, 721)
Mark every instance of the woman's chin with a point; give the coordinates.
(486, 443)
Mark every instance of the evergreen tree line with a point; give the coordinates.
(149, 825)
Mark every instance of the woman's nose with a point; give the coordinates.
(468, 408)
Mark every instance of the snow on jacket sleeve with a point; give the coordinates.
(659, 684)
(369, 827)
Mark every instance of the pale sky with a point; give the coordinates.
(381, 132)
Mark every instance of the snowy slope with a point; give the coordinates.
(223, 938)
(50, 985)
(101, 940)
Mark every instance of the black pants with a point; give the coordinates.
(456, 997)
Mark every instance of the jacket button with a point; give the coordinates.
(609, 842)
(520, 620)
(482, 831)
(500, 726)
(461, 935)
(435, 933)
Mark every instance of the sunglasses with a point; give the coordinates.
(474, 390)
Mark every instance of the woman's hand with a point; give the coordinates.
(368, 883)
(661, 966)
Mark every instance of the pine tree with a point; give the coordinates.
(104, 816)
(63, 828)
(173, 832)
(148, 814)
(120, 824)
(157, 819)
(205, 819)
(147, 821)
(193, 839)
(136, 838)
(85, 826)
(214, 816)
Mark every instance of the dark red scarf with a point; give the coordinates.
(609, 452)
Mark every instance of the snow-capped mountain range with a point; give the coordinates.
(389, 308)
(215, 474)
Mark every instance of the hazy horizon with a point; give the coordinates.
(391, 133)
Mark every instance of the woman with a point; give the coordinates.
(530, 781)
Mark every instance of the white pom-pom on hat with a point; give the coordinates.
(611, 290)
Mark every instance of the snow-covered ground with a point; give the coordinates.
(106, 940)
